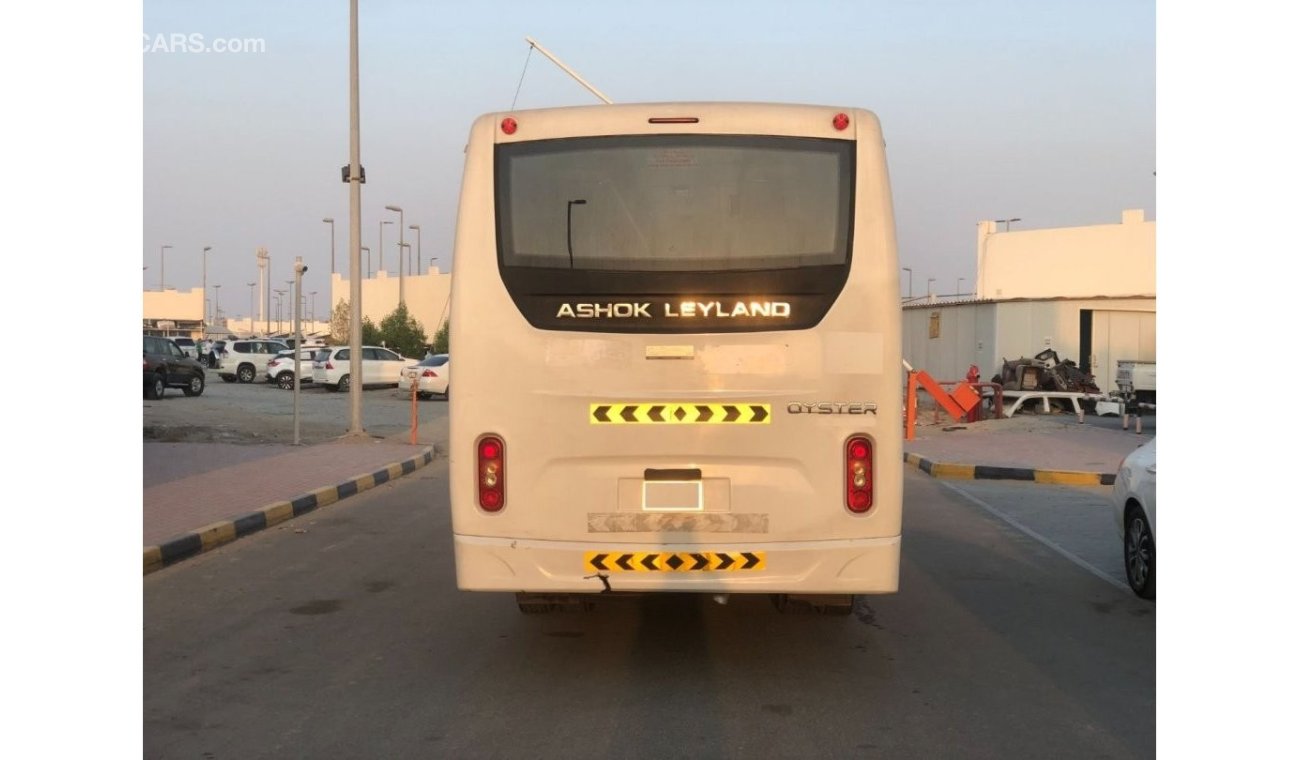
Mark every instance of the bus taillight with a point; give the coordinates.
(491, 473)
(858, 475)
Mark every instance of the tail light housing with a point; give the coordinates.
(859, 477)
(491, 459)
(430, 373)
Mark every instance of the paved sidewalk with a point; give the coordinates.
(198, 496)
(1041, 448)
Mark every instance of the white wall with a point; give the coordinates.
(1068, 262)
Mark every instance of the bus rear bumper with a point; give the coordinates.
(850, 566)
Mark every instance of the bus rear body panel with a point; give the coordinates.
(682, 367)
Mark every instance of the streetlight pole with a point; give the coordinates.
(381, 245)
(298, 270)
(206, 248)
(264, 276)
(431, 260)
(401, 261)
(312, 318)
(216, 304)
(960, 280)
(330, 221)
(909, 282)
(252, 305)
(1007, 222)
(401, 296)
(279, 299)
(418, 251)
(369, 272)
(928, 290)
(354, 219)
(162, 267)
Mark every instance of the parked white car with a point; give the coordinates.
(332, 367)
(246, 360)
(280, 369)
(432, 375)
(1134, 499)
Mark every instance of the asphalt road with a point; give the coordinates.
(342, 635)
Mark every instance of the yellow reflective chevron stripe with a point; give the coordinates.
(678, 413)
(669, 562)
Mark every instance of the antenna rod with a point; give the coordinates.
(569, 71)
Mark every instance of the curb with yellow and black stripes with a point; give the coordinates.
(223, 532)
(993, 472)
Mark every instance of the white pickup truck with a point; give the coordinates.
(1136, 381)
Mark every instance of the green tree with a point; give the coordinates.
(442, 340)
(370, 335)
(402, 333)
(341, 324)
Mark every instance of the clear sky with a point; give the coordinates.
(1037, 109)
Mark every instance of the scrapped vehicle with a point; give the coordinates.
(431, 376)
(1045, 372)
(1134, 500)
(167, 366)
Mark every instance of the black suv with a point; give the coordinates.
(165, 364)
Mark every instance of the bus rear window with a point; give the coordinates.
(667, 203)
(634, 233)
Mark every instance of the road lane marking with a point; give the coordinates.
(1044, 540)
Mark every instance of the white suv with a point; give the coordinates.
(280, 369)
(331, 367)
(246, 360)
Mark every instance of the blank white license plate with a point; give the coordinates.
(672, 496)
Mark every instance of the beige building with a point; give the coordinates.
(1089, 293)
(180, 312)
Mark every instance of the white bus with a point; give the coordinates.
(677, 340)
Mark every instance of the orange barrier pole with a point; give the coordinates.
(415, 410)
(910, 416)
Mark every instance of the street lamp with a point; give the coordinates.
(381, 245)
(366, 248)
(162, 267)
(400, 297)
(252, 305)
(431, 260)
(206, 248)
(279, 296)
(313, 310)
(909, 282)
(928, 290)
(216, 304)
(568, 225)
(960, 280)
(330, 221)
(418, 250)
(1007, 222)
(401, 243)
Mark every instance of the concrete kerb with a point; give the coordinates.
(223, 532)
(991, 472)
